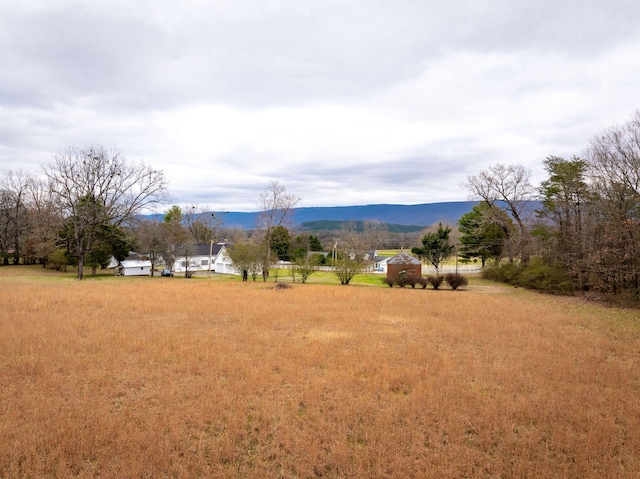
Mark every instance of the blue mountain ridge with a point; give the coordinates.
(417, 215)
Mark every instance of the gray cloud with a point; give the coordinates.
(344, 102)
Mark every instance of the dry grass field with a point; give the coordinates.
(159, 377)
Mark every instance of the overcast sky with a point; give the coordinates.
(344, 102)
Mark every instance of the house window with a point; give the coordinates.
(184, 264)
(205, 262)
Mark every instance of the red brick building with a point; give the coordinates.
(403, 264)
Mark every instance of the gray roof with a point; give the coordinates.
(381, 259)
(199, 249)
(404, 258)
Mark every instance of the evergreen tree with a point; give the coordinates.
(435, 246)
(482, 236)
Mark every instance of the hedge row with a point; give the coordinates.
(454, 280)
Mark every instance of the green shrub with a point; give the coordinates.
(537, 274)
(505, 273)
(546, 277)
(59, 259)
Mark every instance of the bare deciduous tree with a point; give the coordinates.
(14, 187)
(95, 186)
(45, 219)
(274, 206)
(201, 223)
(152, 240)
(614, 169)
(509, 186)
(354, 252)
(614, 158)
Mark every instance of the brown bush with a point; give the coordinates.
(455, 280)
(422, 282)
(435, 280)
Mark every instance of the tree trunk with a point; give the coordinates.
(80, 266)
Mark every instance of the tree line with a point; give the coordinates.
(79, 210)
(579, 229)
(253, 253)
(86, 207)
(583, 233)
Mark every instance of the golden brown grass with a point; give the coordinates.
(162, 377)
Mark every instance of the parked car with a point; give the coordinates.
(166, 272)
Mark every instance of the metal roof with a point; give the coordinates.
(404, 258)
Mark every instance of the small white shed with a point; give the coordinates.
(130, 267)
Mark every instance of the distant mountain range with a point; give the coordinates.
(406, 215)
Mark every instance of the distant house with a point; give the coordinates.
(403, 264)
(134, 265)
(374, 262)
(380, 264)
(370, 255)
(203, 257)
(367, 256)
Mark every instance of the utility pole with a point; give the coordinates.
(210, 253)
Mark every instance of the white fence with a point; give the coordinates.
(426, 269)
(461, 269)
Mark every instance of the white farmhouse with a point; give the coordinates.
(203, 258)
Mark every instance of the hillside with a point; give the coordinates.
(354, 225)
(407, 215)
